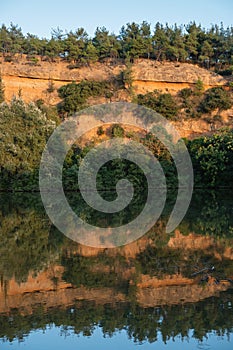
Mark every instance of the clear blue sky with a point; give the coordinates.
(38, 17)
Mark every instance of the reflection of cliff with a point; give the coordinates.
(40, 266)
(48, 289)
(42, 291)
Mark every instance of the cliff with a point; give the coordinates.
(31, 80)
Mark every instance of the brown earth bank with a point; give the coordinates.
(31, 81)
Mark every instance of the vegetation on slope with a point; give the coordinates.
(24, 129)
(212, 47)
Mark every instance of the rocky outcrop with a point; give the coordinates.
(31, 81)
(150, 75)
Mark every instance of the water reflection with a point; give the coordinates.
(160, 287)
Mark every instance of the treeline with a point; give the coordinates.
(185, 322)
(212, 47)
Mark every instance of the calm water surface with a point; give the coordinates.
(161, 292)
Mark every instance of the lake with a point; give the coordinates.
(162, 291)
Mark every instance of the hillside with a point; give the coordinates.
(31, 82)
(32, 79)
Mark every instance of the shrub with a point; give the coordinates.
(185, 93)
(215, 98)
(100, 131)
(162, 103)
(117, 131)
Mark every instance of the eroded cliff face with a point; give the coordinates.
(31, 81)
(171, 77)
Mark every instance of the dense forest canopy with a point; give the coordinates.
(210, 47)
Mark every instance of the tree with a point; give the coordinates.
(51, 87)
(206, 53)
(167, 106)
(145, 32)
(199, 87)
(191, 40)
(74, 96)
(136, 40)
(53, 49)
(177, 46)
(212, 159)
(35, 46)
(24, 131)
(160, 42)
(75, 44)
(5, 40)
(90, 53)
(102, 42)
(2, 90)
(17, 38)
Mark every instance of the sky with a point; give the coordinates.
(39, 17)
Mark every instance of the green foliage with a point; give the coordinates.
(212, 159)
(75, 96)
(24, 130)
(51, 87)
(25, 235)
(106, 45)
(127, 78)
(185, 93)
(136, 40)
(226, 72)
(32, 60)
(80, 271)
(210, 317)
(162, 103)
(2, 97)
(117, 131)
(199, 87)
(211, 48)
(216, 98)
(100, 131)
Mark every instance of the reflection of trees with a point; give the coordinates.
(92, 272)
(103, 219)
(192, 320)
(28, 242)
(210, 213)
(25, 242)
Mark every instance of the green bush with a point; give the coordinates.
(117, 131)
(162, 103)
(216, 98)
(74, 96)
(24, 131)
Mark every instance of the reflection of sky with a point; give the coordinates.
(53, 339)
